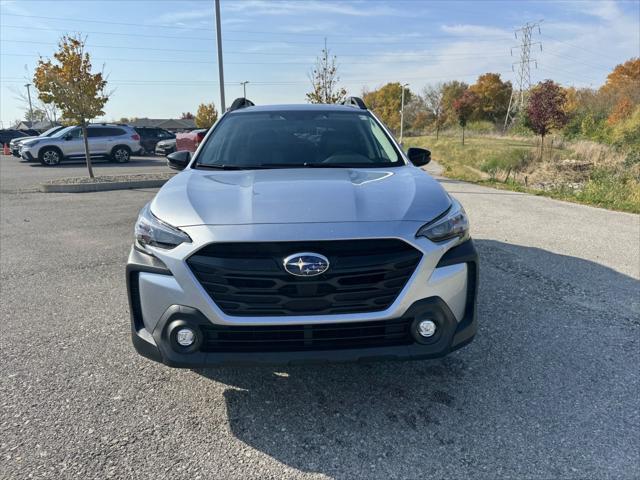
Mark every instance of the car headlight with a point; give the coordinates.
(453, 224)
(150, 231)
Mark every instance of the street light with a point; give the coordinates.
(244, 88)
(402, 112)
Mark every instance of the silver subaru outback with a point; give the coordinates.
(114, 142)
(301, 233)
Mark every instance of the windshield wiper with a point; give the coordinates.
(220, 167)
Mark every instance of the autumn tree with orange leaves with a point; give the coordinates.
(67, 82)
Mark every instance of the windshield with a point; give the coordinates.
(294, 139)
(49, 132)
(62, 132)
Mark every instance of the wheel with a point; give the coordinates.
(50, 156)
(121, 154)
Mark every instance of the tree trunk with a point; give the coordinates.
(462, 135)
(541, 146)
(86, 150)
(437, 129)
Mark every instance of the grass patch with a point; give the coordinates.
(582, 172)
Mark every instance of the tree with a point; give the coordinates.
(464, 108)
(451, 91)
(38, 115)
(187, 116)
(68, 83)
(493, 97)
(621, 111)
(624, 80)
(434, 102)
(546, 109)
(324, 80)
(386, 102)
(206, 115)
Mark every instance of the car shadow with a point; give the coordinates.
(507, 405)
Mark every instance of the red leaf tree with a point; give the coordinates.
(464, 107)
(545, 110)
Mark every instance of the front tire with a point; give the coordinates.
(121, 154)
(50, 157)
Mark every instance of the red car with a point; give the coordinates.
(190, 140)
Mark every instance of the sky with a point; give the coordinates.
(160, 55)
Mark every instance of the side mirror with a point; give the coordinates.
(419, 156)
(67, 136)
(179, 160)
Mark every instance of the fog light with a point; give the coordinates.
(427, 328)
(185, 337)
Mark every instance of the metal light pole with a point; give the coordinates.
(30, 106)
(244, 88)
(220, 69)
(402, 112)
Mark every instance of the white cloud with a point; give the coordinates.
(289, 7)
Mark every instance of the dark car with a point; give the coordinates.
(8, 134)
(150, 136)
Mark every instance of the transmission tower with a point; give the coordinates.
(520, 90)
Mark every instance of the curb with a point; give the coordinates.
(100, 187)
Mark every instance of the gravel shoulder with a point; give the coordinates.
(549, 389)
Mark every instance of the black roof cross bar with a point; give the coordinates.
(239, 103)
(354, 102)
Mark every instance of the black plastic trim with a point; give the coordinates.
(141, 262)
(430, 307)
(463, 253)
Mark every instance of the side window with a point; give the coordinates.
(387, 150)
(75, 133)
(94, 132)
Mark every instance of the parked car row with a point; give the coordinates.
(116, 142)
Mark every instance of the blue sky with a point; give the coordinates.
(160, 55)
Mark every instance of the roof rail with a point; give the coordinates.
(239, 103)
(354, 102)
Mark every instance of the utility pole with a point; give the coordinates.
(220, 68)
(30, 106)
(402, 112)
(520, 92)
(244, 88)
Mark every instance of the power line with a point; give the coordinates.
(257, 32)
(393, 60)
(179, 82)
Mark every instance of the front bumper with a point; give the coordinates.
(26, 155)
(158, 302)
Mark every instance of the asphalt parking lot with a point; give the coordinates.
(18, 175)
(549, 388)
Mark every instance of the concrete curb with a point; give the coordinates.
(100, 187)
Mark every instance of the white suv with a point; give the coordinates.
(116, 142)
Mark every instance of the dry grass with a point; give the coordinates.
(582, 171)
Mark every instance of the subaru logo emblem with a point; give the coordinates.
(306, 264)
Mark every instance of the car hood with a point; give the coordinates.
(165, 143)
(21, 139)
(302, 195)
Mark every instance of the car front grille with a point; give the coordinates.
(333, 336)
(248, 279)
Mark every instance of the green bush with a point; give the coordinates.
(612, 189)
(626, 134)
(508, 161)
(481, 127)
